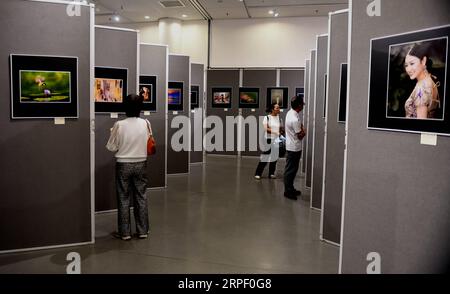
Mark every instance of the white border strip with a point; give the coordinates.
(314, 124)
(63, 2)
(92, 118)
(116, 28)
(325, 135)
(344, 182)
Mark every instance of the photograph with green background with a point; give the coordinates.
(44, 86)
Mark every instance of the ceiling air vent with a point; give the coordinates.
(171, 4)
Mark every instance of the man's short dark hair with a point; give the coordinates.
(133, 105)
(297, 101)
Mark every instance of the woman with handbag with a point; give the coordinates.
(129, 138)
(273, 129)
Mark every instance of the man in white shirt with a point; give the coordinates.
(294, 136)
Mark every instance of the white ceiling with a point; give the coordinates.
(132, 11)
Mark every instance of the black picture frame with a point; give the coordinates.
(195, 96)
(390, 85)
(342, 108)
(175, 97)
(147, 88)
(110, 73)
(221, 97)
(53, 92)
(300, 91)
(279, 95)
(248, 97)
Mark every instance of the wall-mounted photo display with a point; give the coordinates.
(221, 97)
(110, 88)
(249, 98)
(408, 82)
(195, 96)
(278, 95)
(175, 96)
(147, 88)
(325, 81)
(300, 92)
(43, 86)
(342, 109)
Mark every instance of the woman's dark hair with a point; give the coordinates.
(133, 105)
(297, 101)
(420, 51)
(271, 107)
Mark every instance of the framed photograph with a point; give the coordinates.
(342, 108)
(278, 95)
(249, 98)
(408, 82)
(147, 88)
(175, 96)
(221, 97)
(300, 92)
(110, 88)
(195, 96)
(43, 86)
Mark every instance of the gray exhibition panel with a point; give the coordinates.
(223, 78)
(310, 115)
(261, 79)
(319, 123)
(153, 62)
(197, 79)
(396, 199)
(305, 113)
(46, 179)
(179, 71)
(291, 78)
(113, 48)
(335, 132)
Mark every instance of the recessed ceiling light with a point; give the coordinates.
(117, 18)
(276, 14)
(147, 17)
(184, 15)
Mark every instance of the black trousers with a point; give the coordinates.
(291, 168)
(263, 163)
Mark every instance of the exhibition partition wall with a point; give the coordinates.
(294, 80)
(116, 62)
(254, 80)
(305, 113)
(197, 109)
(396, 188)
(46, 187)
(153, 66)
(334, 129)
(179, 107)
(222, 95)
(319, 121)
(310, 108)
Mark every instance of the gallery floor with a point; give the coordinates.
(218, 219)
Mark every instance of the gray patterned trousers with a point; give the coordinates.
(131, 182)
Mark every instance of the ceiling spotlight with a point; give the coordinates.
(271, 12)
(117, 18)
(276, 14)
(147, 17)
(184, 15)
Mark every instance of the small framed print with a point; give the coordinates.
(175, 96)
(195, 96)
(278, 95)
(147, 88)
(221, 97)
(249, 98)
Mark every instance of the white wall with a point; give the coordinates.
(273, 42)
(279, 42)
